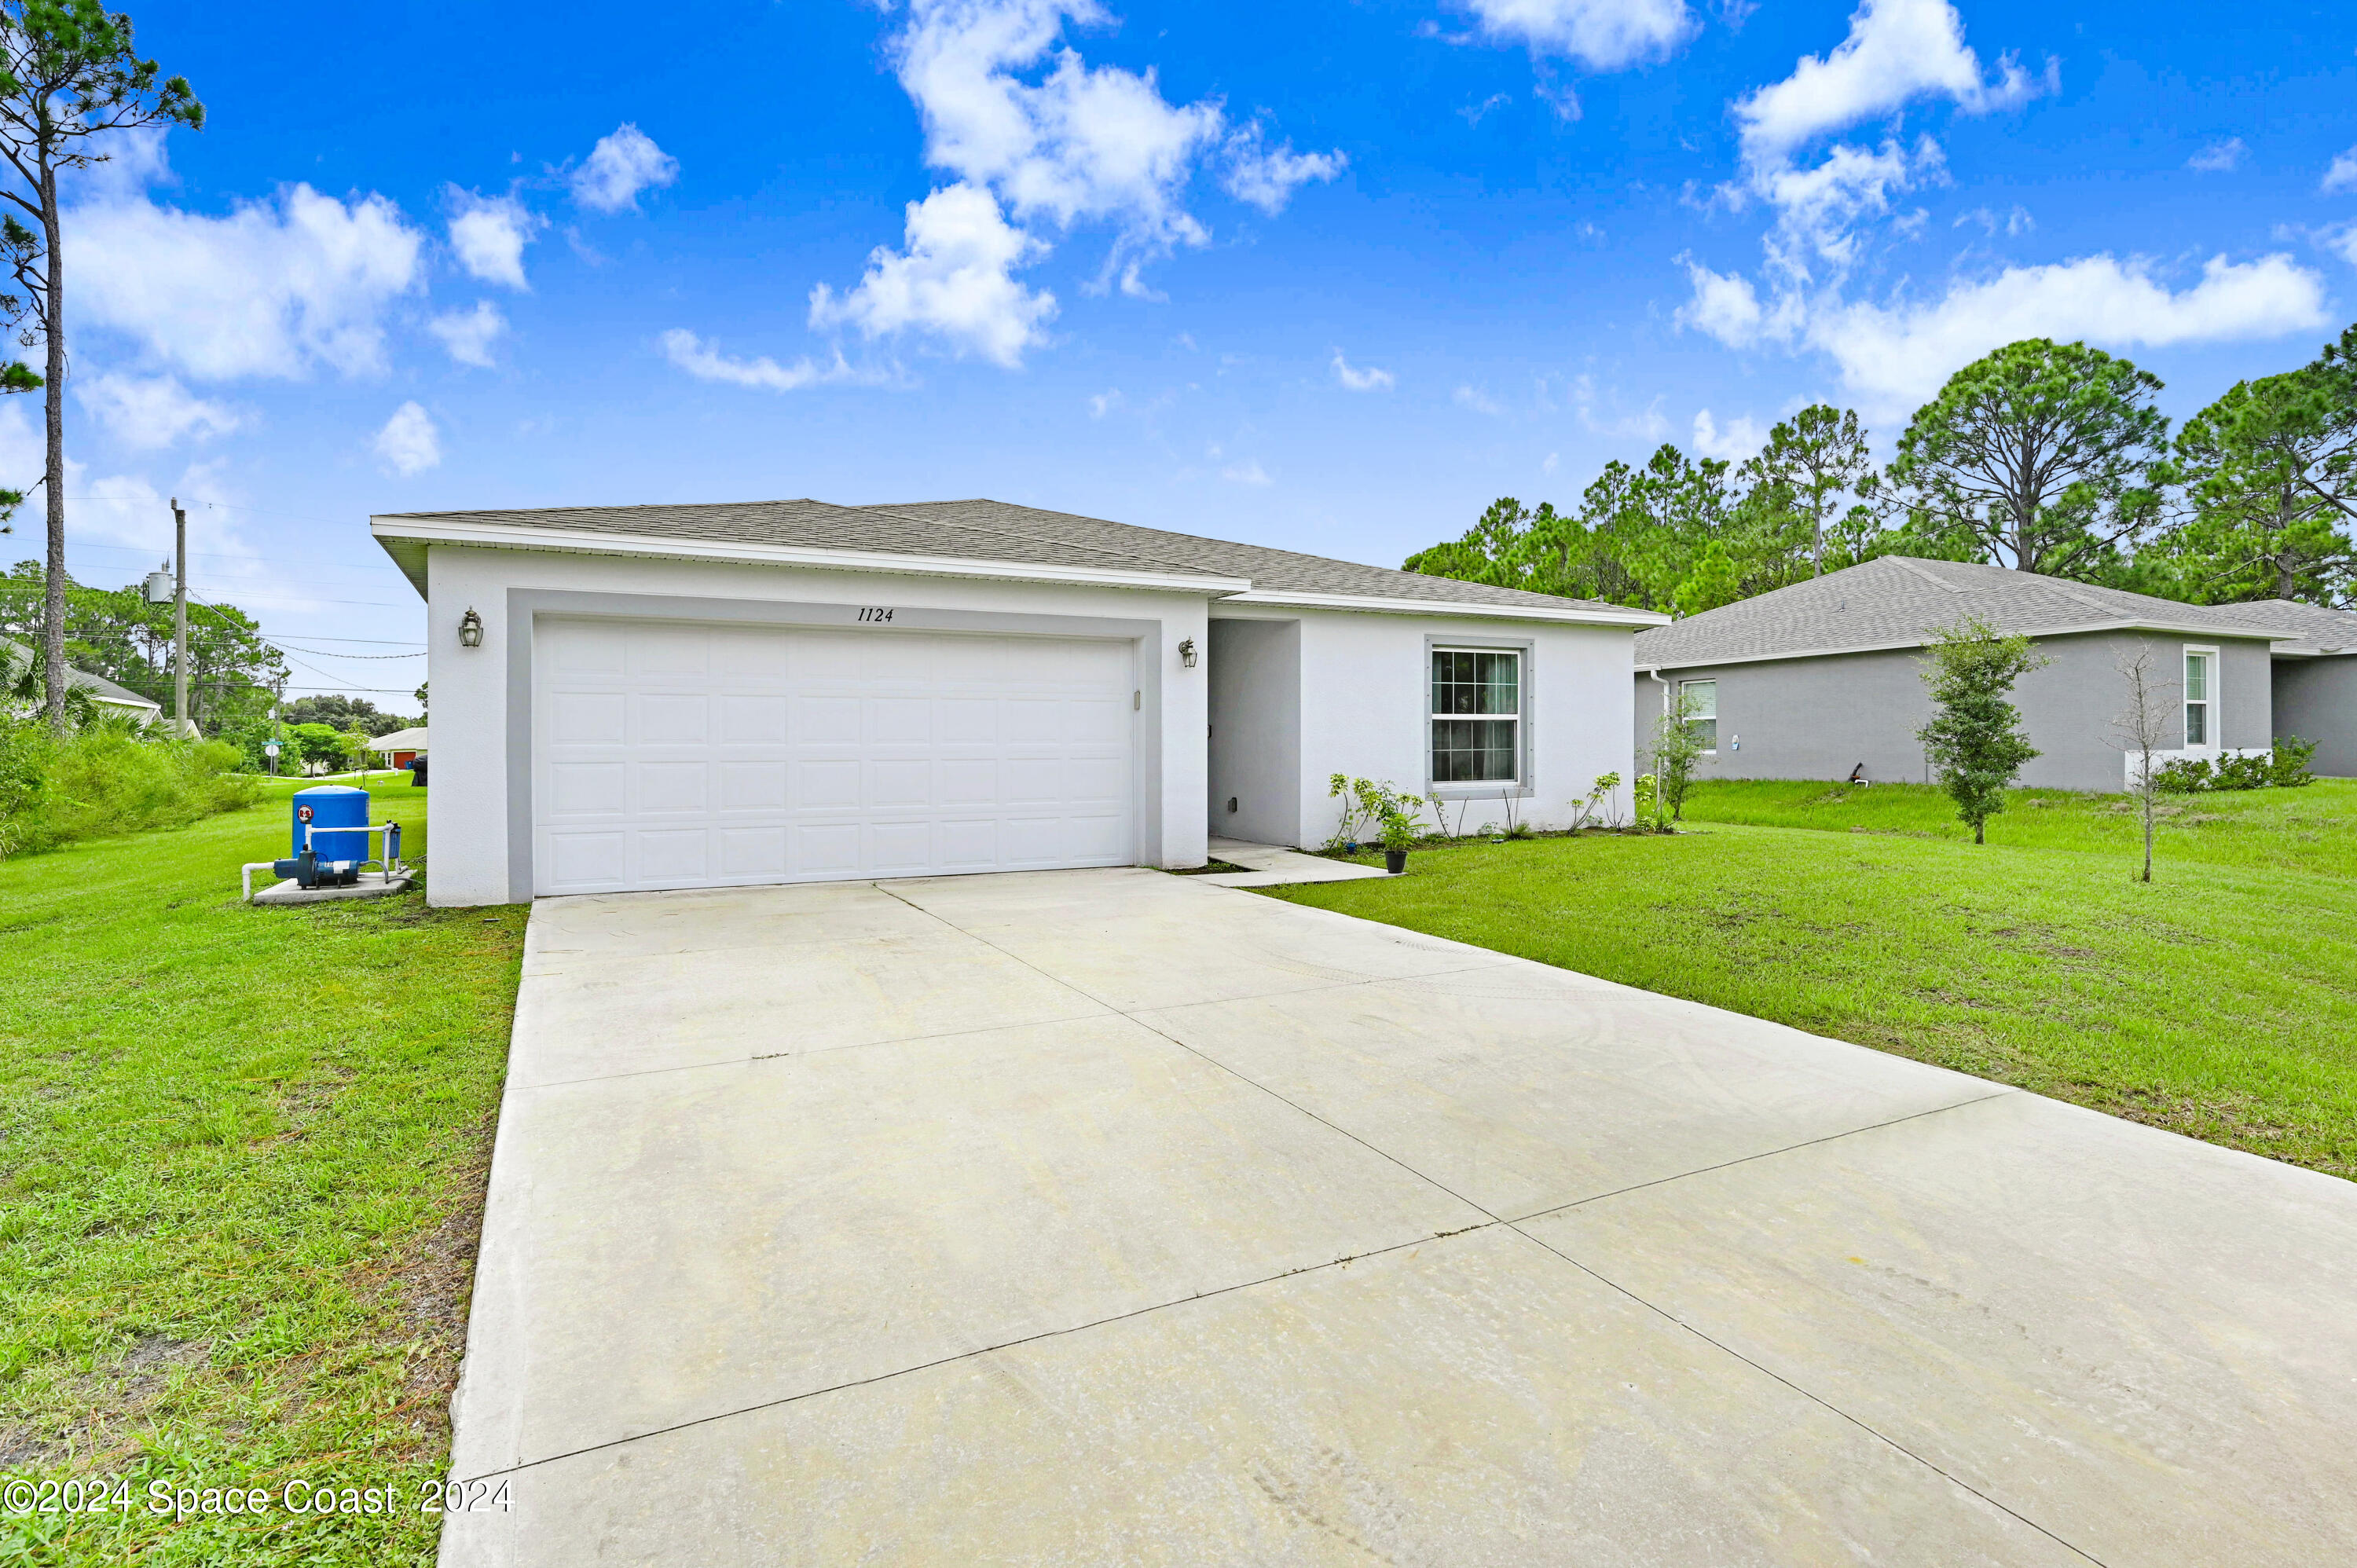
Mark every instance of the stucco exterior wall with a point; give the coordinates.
(481, 696)
(2316, 699)
(1365, 710)
(1817, 718)
(1254, 689)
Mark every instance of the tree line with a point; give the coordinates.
(2048, 457)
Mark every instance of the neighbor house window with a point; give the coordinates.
(1700, 700)
(1477, 715)
(2200, 697)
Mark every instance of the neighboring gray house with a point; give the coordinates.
(1811, 681)
(2316, 678)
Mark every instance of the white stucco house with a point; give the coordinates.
(650, 697)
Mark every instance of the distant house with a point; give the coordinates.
(1814, 680)
(2316, 678)
(110, 698)
(400, 748)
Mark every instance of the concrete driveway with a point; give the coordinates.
(1099, 1218)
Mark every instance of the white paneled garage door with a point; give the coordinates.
(679, 755)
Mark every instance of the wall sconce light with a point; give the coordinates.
(471, 629)
(1187, 654)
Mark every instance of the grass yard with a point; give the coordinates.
(2220, 1000)
(242, 1159)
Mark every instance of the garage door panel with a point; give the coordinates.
(825, 720)
(588, 718)
(899, 785)
(670, 652)
(673, 756)
(753, 853)
(670, 718)
(899, 848)
(584, 862)
(748, 719)
(898, 720)
(665, 787)
(589, 789)
(754, 787)
(675, 855)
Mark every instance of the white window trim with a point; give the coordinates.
(1678, 696)
(2216, 716)
(1518, 786)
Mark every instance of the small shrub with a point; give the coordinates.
(1366, 806)
(2285, 768)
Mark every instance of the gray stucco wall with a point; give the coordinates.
(1817, 718)
(1255, 740)
(2316, 699)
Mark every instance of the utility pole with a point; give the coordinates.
(180, 617)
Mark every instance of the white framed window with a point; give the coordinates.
(1477, 715)
(2200, 697)
(1700, 700)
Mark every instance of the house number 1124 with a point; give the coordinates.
(871, 613)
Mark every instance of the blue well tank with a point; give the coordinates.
(325, 808)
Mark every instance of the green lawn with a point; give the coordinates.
(2220, 1000)
(242, 1156)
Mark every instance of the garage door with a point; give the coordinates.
(677, 754)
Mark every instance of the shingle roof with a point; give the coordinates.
(14, 655)
(1896, 601)
(1271, 571)
(999, 532)
(2320, 631)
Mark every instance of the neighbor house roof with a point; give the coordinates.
(413, 739)
(1897, 601)
(2320, 630)
(14, 655)
(984, 538)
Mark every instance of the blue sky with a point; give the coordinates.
(1329, 277)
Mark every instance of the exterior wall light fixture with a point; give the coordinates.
(1187, 654)
(471, 629)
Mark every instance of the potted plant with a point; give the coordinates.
(1399, 837)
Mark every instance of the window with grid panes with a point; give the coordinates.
(1477, 715)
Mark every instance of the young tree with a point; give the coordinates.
(1810, 461)
(1974, 740)
(2039, 456)
(68, 73)
(2141, 730)
(1677, 750)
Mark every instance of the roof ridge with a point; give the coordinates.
(891, 510)
(1909, 563)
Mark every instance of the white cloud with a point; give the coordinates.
(952, 282)
(1647, 426)
(1818, 210)
(469, 335)
(1896, 51)
(1099, 144)
(1104, 402)
(2014, 222)
(1604, 35)
(1902, 353)
(272, 288)
(1724, 305)
(705, 362)
(1268, 177)
(489, 235)
(409, 443)
(1248, 472)
(2218, 157)
(1479, 402)
(2341, 174)
(1740, 439)
(2341, 241)
(1553, 460)
(618, 168)
(1370, 379)
(152, 411)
